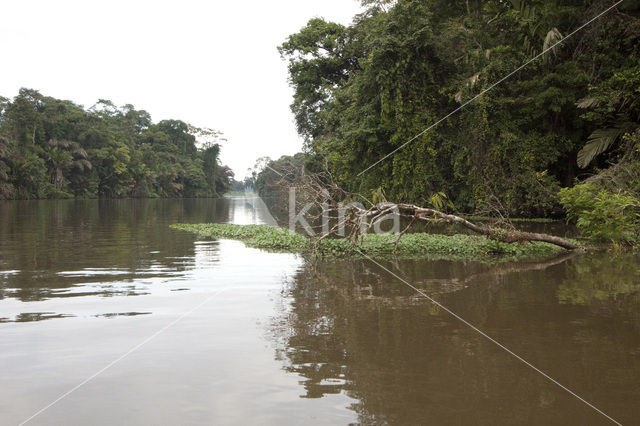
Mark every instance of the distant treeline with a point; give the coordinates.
(363, 90)
(52, 148)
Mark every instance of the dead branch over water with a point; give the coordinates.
(353, 214)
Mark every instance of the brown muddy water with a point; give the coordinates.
(107, 316)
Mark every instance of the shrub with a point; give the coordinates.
(602, 216)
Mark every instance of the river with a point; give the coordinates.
(108, 316)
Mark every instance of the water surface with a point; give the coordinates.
(213, 332)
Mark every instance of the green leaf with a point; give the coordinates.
(599, 141)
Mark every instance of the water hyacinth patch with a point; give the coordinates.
(416, 244)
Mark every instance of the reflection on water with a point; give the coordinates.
(351, 328)
(604, 284)
(282, 339)
(105, 248)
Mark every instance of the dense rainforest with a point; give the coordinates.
(571, 115)
(52, 148)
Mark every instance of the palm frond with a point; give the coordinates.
(552, 37)
(55, 143)
(80, 152)
(82, 164)
(587, 102)
(598, 142)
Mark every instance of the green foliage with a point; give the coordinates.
(51, 148)
(603, 216)
(599, 141)
(417, 244)
(361, 91)
(440, 201)
(261, 236)
(377, 196)
(268, 174)
(613, 104)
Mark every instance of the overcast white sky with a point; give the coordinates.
(210, 63)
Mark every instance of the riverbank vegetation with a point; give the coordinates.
(569, 117)
(416, 244)
(52, 148)
(606, 206)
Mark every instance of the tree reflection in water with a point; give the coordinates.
(347, 326)
(74, 248)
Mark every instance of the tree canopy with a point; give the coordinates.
(52, 148)
(363, 90)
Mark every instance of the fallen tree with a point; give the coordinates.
(357, 214)
(500, 234)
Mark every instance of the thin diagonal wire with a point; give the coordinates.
(121, 357)
(491, 339)
(273, 170)
(489, 88)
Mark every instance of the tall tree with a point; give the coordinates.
(365, 90)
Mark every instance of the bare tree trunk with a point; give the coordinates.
(507, 236)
